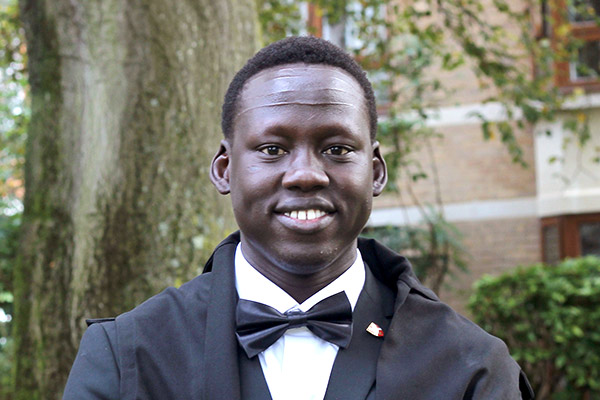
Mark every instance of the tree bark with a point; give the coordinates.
(126, 98)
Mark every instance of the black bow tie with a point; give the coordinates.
(259, 325)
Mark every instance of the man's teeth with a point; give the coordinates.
(305, 214)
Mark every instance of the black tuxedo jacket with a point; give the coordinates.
(181, 344)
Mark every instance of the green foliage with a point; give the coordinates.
(14, 116)
(14, 112)
(9, 233)
(549, 318)
(6, 357)
(434, 248)
(278, 19)
(402, 139)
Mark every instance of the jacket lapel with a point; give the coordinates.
(221, 349)
(252, 380)
(354, 370)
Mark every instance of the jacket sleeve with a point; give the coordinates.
(499, 378)
(95, 372)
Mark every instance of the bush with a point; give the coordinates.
(549, 316)
(9, 233)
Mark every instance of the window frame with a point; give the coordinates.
(585, 30)
(569, 240)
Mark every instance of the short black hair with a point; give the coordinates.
(296, 49)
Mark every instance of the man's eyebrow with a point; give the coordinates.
(327, 130)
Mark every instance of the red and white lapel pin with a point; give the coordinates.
(375, 330)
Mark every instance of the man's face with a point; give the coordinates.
(301, 168)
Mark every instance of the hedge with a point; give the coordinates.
(549, 316)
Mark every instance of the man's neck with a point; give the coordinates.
(300, 286)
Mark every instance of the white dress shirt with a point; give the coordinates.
(298, 365)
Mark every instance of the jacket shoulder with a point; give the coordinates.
(190, 294)
(95, 372)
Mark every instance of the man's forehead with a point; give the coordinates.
(306, 84)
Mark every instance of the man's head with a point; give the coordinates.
(297, 49)
(302, 167)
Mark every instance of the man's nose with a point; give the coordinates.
(305, 173)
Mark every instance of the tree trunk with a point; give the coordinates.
(126, 98)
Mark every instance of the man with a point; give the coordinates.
(294, 306)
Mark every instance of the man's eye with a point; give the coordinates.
(273, 150)
(337, 151)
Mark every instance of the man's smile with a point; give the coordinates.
(304, 215)
(306, 209)
(308, 221)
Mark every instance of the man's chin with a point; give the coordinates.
(312, 258)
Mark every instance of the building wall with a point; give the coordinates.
(469, 168)
(495, 246)
(571, 184)
(490, 199)
(495, 203)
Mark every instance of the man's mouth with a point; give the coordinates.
(305, 215)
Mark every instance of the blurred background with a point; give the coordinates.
(489, 118)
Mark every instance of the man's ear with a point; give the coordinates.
(219, 168)
(379, 170)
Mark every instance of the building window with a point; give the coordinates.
(589, 236)
(579, 21)
(570, 236)
(551, 244)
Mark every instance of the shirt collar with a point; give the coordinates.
(254, 286)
